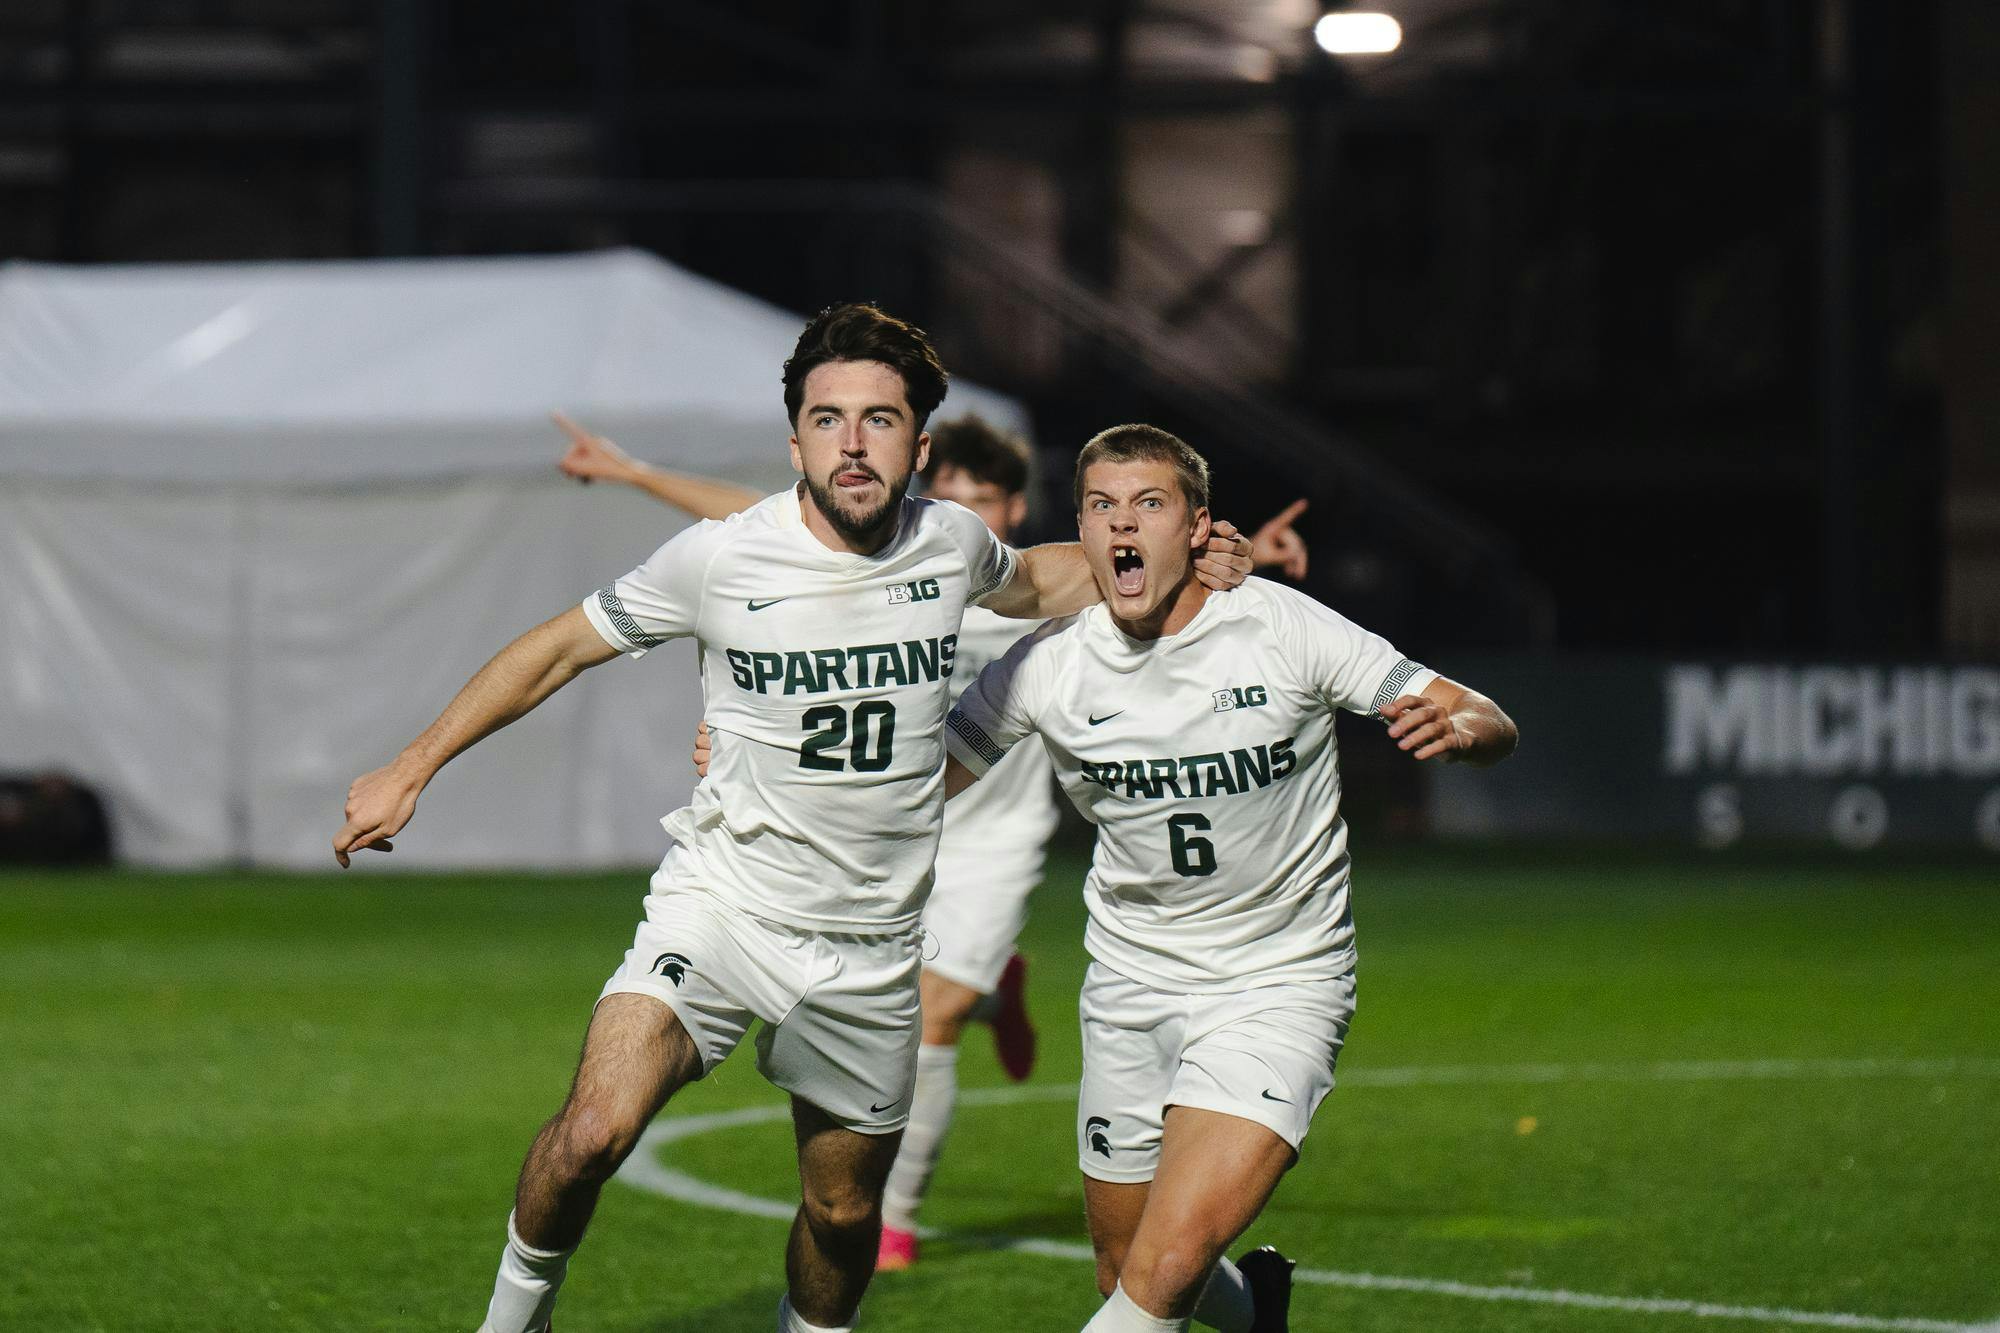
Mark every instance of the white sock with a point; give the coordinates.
(789, 1321)
(524, 1294)
(931, 1105)
(1121, 1315)
(1225, 1302)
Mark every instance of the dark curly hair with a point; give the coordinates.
(855, 332)
(982, 451)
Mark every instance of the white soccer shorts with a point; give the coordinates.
(840, 1012)
(977, 909)
(1265, 1054)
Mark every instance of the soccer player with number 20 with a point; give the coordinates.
(828, 618)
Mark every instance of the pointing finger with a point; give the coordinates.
(343, 842)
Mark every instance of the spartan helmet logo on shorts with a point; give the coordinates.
(1096, 1133)
(672, 966)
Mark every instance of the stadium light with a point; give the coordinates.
(1357, 34)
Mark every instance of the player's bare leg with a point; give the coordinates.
(948, 1007)
(635, 1055)
(834, 1237)
(1113, 1208)
(1216, 1173)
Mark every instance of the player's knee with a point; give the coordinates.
(842, 1213)
(1172, 1274)
(594, 1141)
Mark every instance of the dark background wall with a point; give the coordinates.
(1657, 327)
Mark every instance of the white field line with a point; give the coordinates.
(1668, 1071)
(644, 1170)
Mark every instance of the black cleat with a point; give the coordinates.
(1269, 1275)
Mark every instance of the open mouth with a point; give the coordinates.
(1128, 570)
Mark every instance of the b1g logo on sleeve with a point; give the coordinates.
(1240, 696)
(922, 590)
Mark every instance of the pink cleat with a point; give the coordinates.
(1013, 1034)
(899, 1250)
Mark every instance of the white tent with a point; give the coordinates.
(258, 522)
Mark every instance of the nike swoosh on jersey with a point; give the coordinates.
(1099, 721)
(1267, 1094)
(877, 1110)
(759, 606)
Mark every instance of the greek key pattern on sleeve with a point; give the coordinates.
(973, 735)
(1392, 685)
(621, 620)
(1000, 575)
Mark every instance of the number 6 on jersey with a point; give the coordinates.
(1192, 855)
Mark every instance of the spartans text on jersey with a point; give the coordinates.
(864, 666)
(1212, 774)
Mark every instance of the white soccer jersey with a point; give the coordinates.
(1013, 806)
(1207, 761)
(995, 837)
(825, 678)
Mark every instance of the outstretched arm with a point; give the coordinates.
(519, 677)
(1451, 721)
(1055, 578)
(595, 458)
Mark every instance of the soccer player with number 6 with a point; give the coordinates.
(1197, 733)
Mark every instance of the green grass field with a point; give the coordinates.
(267, 1102)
